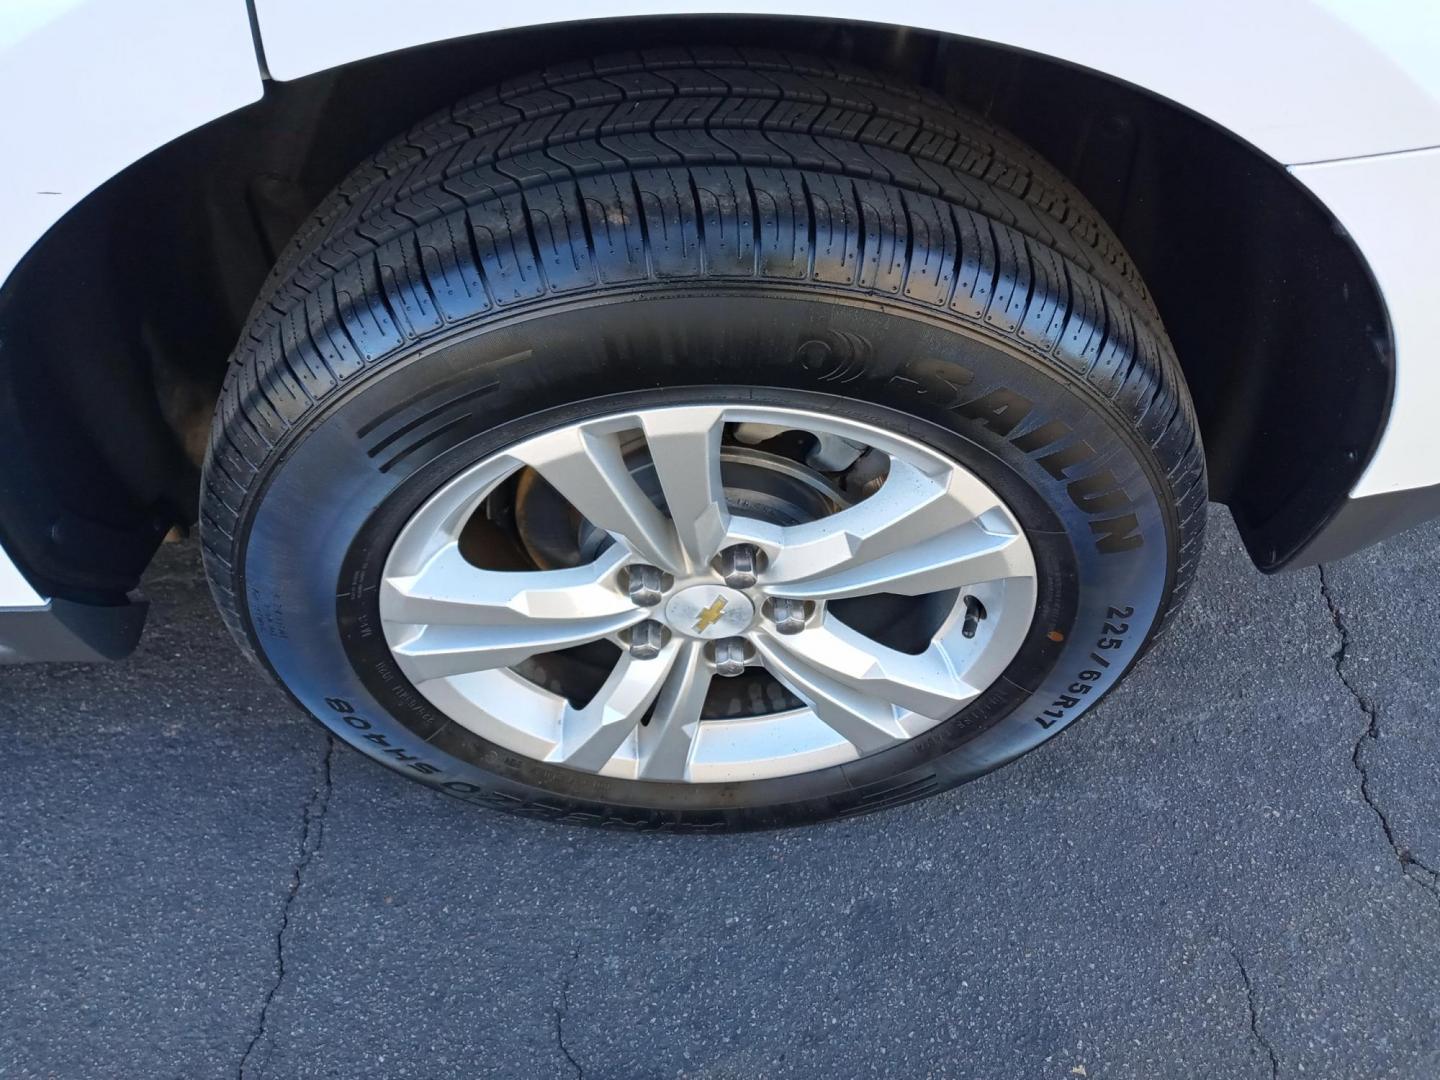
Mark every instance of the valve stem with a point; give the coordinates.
(974, 612)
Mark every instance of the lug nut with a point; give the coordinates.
(645, 585)
(787, 615)
(646, 640)
(737, 566)
(730, 656)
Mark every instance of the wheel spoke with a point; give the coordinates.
(587, 467)
(449, 590)
(591, 736)
(966, 555)
(466, 619)
(666, 742)
(867, 723)
(685, 446)
(923, 682)
(911, 509)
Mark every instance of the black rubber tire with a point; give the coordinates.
(688, 224)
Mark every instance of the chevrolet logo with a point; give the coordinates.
(710, 616)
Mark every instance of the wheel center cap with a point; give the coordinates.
(709, 612)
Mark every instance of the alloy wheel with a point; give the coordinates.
(855, 586)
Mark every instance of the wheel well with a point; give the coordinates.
(115, 330)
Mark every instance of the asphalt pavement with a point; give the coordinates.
(1221, 872)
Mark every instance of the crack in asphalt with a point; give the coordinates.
(312, 823)
(1425, 876)
(562, 1010)
(1255, 1032)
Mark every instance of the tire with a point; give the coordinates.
(687, 228)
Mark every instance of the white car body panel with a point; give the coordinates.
(1299, 79)
(94, 85)
(15, 591)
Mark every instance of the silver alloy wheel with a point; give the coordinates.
(659, 591)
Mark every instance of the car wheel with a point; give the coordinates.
(701, 441)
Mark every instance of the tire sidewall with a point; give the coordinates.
(315, 531)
